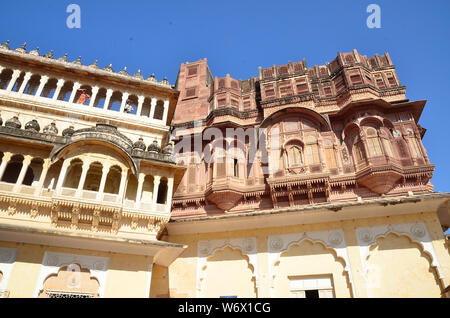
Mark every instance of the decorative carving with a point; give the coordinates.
(153, 147)
(49, 55)
(77, 61)
(5, 46)
(418, 230)
(366, 236)
(204, 248)
(34, 52)
(63, 58)
(22, 49)
(68, 131)
(139, 145)
(335, 238)
(138, 75)
(276, 243)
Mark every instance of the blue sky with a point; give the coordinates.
(238, 36)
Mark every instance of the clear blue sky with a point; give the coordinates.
(238, 36)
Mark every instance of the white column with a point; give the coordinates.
(13, 80)
(75, 88)
(152, 108)
(44, 80)
(62, 176)
(82, 178)
(124, 100)
(139, 190)
(166, 110)
(59, 85)
(123, 182)
(139, 108)
(25, 82)
(40, 185)
(101, 189)
(5, 159)
(169, 194)
(156, 181)
(26, 162)
(109, 93)
(94, 96)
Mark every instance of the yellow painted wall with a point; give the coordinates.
(228, 273)
(307, 260)
(127, 274)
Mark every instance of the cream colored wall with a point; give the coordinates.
(127, 275)
(306, 259)
(314, 259)
(235, 277)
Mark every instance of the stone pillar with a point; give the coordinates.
(169, 194)
(124, 100)
(94, 96)
(44, 80)
(75, 88)
(139, 108)
(101, 189)
(5, 159)
(109, 93)
(62, 176)
(152, 108)
(40, 185)
(156, 181)
(139, 189)
(25, 82)
(59, 85)
(82, 178)
(14, 77)
(166, 110)
(123, 182)
(26, 162)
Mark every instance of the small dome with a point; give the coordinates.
(63, 58)
(68, 131)
(77, 61)
(138, 75)
(33, 125)
(94, 65)
(51, 129)
(124, 71)
(153, 147)
(22, 49)
(139, 144)
(35, 52)
(49, 55)
(151, 78)
(168, 149)
(5, 45)
(109, 68)
(13, 122)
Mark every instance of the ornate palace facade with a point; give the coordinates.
(302, 182)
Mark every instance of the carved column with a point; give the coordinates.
(25, 82)
(156, 181)
(40, 185)
(123, 182)
(139, 189)
(94, 96)
(166, 110)
(82, 178)
(101, 189)
(44, 80)
(124, 100)
(152, 108)
(75, 88)
(169, 194)
(26, 162)
(139, 108)
(5, 159)
(109, 93)
(62, 176)
(59, 85)
(12, 82)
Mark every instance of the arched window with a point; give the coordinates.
(295, 156)
(162, 192)
(373, 143)
(358, 150)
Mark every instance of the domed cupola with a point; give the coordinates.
(51, 129)
(139, 145)
(153, 147)
(68, 132)
(13, 122)
(33, 125)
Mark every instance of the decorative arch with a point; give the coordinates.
(417, 233)
(322, 120)
(333, 240)
(247, 246)
(98, 267)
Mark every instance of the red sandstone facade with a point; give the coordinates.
(346, 132)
